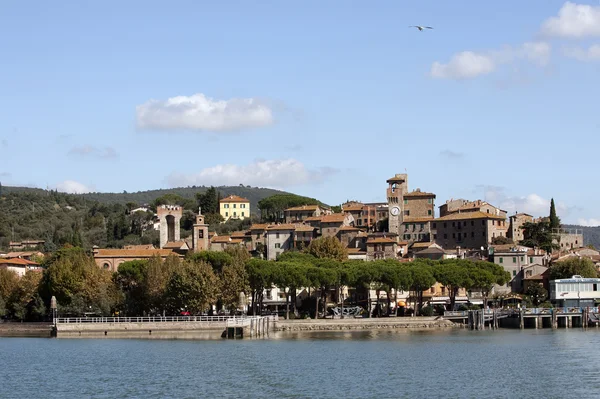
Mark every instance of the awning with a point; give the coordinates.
(401, 303)
(476, 301)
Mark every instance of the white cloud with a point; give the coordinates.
(532, 204)
(590, 54)
(201, 113)
(94, 152)
(263, 173)
(465, 65)
(588, 222)
(574, 21)
(73, 187)
(469, 64)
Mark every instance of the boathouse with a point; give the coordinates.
(575, 292)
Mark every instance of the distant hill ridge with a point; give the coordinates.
(253, 194)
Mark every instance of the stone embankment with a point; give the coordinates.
(110, 329)
(15, 329)
(413, 323)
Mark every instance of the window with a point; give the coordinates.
(276, 235)
(453, 224)
(107, 266)
(277, 245)
(472, 223)
(472, 234)
(242, 213)
(429, 201)
(483, 233)
(465, 235)
(414, 226)
(454, 235)
(234, 213)
(522, 259)
(514, 259)
(531, 259)
(501, 260)
(258, 236)
(429, 212)
(226, 214)
(243, 206)
(405, 201)
(234, 205)
(200, 233)
(483, 222)
(435, 225)
(514, 273)
(406, 213)
(465, 223)
(445, 235)
(435, 236)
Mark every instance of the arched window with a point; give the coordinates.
(106, 266)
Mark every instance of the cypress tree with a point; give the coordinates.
(554, 219)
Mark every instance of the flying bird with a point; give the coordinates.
(420, 27)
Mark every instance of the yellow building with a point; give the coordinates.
(234, 207)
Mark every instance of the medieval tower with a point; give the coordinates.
(397, 187)
(169, 217)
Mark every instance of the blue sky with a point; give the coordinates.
(326, 99)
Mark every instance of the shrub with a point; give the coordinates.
(427, 311)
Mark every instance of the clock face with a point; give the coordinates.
(395, 211)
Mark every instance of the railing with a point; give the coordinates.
(154, 319)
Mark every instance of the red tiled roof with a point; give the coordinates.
(313, 219)
(259, 226)
(418, 220)
(17, 262)
(221, 239)
(239, 234)
(333, 218)
(132, 253)
(303, 227)
(234, 198)
(468, 215)
(282, 227)
(349, 228)
(303, 208)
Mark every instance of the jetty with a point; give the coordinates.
(568, 317)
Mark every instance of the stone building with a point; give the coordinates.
(169, 217)
(331, 224)
(397, 187)
(467, 229)
(516, 221)
(110, 259)
(381, 248)
(514, 258)
(568, 239)
(258, 235)
(234, 207)
(200, 240)
(304, 234)
(299, 214)
(279, 238)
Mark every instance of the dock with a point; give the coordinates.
(527, 318)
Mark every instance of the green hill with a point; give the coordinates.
(96, 218)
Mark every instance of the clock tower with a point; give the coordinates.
(397, 187)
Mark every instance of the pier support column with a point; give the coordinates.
(521, 320)
(554, 320)
(536, 323)
(569, 322)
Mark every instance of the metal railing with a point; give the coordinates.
(153, 319)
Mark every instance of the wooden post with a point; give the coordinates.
(554, 320)
(521, 319)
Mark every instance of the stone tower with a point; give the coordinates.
(169, 217)
(200, 234)
(397, 187)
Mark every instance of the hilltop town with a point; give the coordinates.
(404, 229)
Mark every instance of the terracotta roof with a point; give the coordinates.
(421, 245)
(174, 245)
(143, 246)
(362, 234)
(20, 254)
(419, 193)
(402, 242)
(397, 178)
(303, 227)
(220, 239)
(259, 226)
(17, 262)
(349, 228)
(211, 234)
(418, 220)
(333, 218)
(468, 215)
(521, 214)
(234, 198)
(531, 252)
(313, 219)
(239, 234)
(355, 251)
(381, 240)
(288, 226)
(353, 208)
(303, 208)
(132, 253)
(236, 241)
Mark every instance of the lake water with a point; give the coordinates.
(384, 364)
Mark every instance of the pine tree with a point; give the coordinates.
(554, 219)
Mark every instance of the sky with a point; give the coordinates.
(325, 99)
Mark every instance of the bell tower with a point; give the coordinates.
(169, 217)
(397, 187)
(200, 233)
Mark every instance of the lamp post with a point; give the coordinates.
(53, 308)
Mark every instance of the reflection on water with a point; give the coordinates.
(349, 364)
